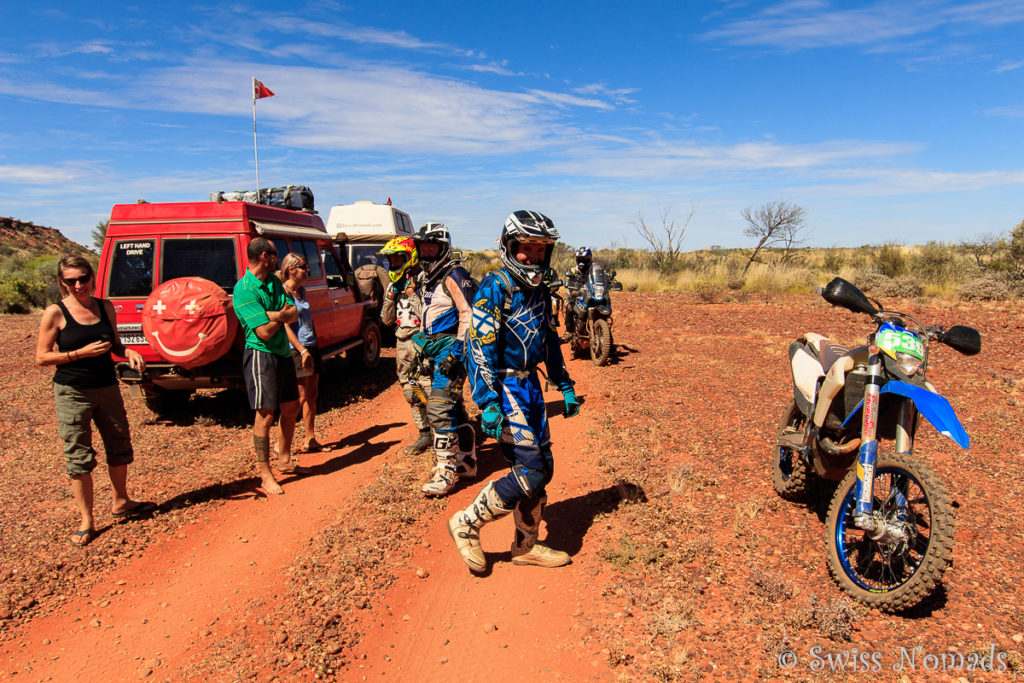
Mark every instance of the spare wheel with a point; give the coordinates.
(189, 321)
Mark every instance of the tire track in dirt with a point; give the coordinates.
(511, 623)
(157, 612)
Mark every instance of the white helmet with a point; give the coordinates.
(435, 233)
(525, 227)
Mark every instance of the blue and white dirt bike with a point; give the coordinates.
(590, 325)
(890, 523)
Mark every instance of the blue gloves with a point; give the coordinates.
(572, 404)
(493, 420)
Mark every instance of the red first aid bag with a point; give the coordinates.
(189, 321)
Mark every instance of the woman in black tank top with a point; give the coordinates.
(78, 334)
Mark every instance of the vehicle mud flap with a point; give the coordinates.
(933, 406)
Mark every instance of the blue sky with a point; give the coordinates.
(887, 121)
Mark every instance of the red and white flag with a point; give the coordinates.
(259, 91)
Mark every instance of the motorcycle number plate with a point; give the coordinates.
(900, 341)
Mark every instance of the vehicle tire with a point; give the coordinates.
(892, 574)
(791, 475)
(601, 342)
(367, 354)
(163, 402)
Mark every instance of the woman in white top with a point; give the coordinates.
(305, 353)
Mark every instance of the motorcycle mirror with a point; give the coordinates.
(966, 340)
(839, 292)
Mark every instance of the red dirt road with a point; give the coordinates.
(154, 615)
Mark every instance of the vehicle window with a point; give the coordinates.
(406, 223)
(131, 269)
(281, 244)
(330, 263)
(363, 254)
(312, 255)
(212, 259)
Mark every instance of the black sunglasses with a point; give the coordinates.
(72, 281)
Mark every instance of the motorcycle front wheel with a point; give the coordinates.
(791, 476)
(901, 566)
(601, 342)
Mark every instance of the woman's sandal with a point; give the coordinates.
(83, 538)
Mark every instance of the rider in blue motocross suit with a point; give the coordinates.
(447, 291)
(512, 331)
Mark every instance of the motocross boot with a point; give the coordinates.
(466, 457)
(443, 476)
(464, 526)
(421, 444)
(526, 550)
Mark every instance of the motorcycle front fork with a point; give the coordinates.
(863, 516)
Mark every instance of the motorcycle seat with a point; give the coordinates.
(826, 350)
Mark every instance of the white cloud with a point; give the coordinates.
(802, 25)
(40, 175)
(666, 158)
(1008, 66)
(896, 182)
(1010, 111)
(368, 106)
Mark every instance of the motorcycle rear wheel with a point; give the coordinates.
(886, 574)
(791, 476)
(601, 342)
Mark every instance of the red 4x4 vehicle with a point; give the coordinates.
(169, 270)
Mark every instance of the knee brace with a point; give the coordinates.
(532, 482)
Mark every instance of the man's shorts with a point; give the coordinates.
(77, 410)
(269, 379)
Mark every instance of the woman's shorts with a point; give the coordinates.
(318, 362)
(77, 409)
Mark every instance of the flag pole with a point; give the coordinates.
(255, 144)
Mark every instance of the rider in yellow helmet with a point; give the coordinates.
(403, 308)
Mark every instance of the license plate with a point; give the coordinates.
(134, 339)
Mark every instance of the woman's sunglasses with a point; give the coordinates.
(72, 281)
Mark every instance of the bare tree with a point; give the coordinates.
(775, 224)
(667, 243)
(984, 250)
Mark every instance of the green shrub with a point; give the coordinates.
(890, 260)
(832, 261)
(986, 288)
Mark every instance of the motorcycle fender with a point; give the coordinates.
(933, 406)
(604, 311)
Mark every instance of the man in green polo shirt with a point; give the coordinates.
(264, 308)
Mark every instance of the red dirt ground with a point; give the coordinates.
(685, 563)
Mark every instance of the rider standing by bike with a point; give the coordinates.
(575, 281)
(511, 334)
(447, 291)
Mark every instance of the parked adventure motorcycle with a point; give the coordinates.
(590, 322)
(889, 527)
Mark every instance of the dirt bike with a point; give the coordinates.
(889, 527)
(590, 324)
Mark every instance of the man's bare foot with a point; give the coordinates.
(271, 486)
